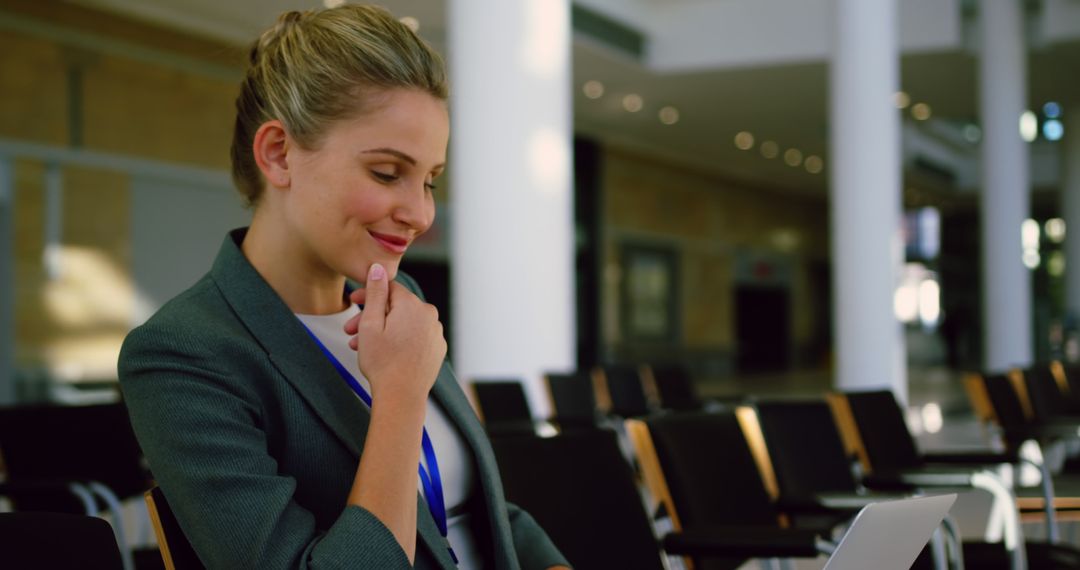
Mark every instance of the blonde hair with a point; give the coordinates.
(317, 67)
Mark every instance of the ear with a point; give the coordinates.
(270, 149)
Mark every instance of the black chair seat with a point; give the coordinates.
(581, 490)
(742, 541)
(1041, 556)
(56, 540)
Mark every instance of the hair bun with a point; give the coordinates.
(285, 25)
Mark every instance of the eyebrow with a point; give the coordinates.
(398, 154)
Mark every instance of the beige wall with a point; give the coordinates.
(710, 222)
(161, 103)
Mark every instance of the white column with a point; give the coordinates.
(7, 281)
(1005, 201)
(1070, 205)
(511, 264)
(865, 181)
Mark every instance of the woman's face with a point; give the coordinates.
(365, 194)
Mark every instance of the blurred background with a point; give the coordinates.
(701, 216)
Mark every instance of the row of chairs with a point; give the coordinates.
(767, 479)
(587, 399)
(800, 465)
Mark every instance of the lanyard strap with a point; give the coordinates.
(431, 481)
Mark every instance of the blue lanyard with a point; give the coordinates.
(433, 491)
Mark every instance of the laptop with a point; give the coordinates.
(890, 535)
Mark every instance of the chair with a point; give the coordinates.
(620, 392)
(873, 428)
(585, 499)
(813, 477)
(176, 551)
(699, 467)
(70, 458)
(57, 540)
(1012, 409)
(503, 407)
(673, 386)
(1048, 391)
(804, 450)
(572, 400)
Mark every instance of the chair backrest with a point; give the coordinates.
(619, 390)
(85, 443)
(580, 489)
(572, 399)
(888, 445)
(707, 468)
(804, 447)
(503, 406)
(57, 540)
(176, 551)
(1071, 375)
(1046, 396)
(674, 387)
(1008, 407)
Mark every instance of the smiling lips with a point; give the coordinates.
(394, 244)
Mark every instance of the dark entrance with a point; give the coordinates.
(762, 329)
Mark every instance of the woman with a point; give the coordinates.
(287, 427)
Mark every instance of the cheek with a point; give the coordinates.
(367, 207)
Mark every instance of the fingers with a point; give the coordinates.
(352, 325)
(376, 297)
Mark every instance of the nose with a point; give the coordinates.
(415, 209)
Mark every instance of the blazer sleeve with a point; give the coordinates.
(201, 426)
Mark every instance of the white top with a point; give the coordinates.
(455, 459)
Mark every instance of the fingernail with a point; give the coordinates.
(377, 272)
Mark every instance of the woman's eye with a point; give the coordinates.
(430, 186)
(383, 176)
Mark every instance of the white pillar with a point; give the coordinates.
(865, 181)
(512, 265)
(1070, 205)
(1005, 201)
(7, 281)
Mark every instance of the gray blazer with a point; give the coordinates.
(254, 438)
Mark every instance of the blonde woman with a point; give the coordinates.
(286, 426)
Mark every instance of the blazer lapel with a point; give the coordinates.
(449, 395)
(288, 344)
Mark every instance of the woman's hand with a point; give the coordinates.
(398, 338)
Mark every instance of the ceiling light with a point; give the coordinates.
(669, 115)
(901, 99)
(411, 23)
(744, 141)
(1053, 130)
(333, 3)
(770, 149)
(593, 89)
(1029, 126)
(921, 111)
(793, 157)
(1055, 230)
(1052, 110)
(1029, 234)
(633, 103)
(814, 164)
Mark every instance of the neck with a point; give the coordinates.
(306, 284)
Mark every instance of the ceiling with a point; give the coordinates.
(784, 103)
